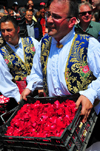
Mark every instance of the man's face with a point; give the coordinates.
(15, 7)
(96, 2)
(82, 1)
(85, 14)
(11, 13)
(30, 3)
(9, 33)
(42, 11)
(57, 20)
(28, 16)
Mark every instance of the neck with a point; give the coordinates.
(62, 36)
(15, 42)
(98, 7)
(28, 22)
(84, 26)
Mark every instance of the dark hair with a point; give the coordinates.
(9, 18)
(1, 7)
(73, 7)
(96, 15)
(22, 10)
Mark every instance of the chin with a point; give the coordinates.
(51, 33)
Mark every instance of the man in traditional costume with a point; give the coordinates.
(67, 63)
(16, 58)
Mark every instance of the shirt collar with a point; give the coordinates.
(12, 46)
(31, 23)
(66, 38)
(78, 25)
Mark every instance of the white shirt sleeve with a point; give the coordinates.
(7, 87)
(35, 79)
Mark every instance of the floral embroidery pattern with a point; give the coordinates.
(85, 69)
(33, 49)
(7, 61)
(77, 73)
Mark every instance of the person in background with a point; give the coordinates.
(10, 12)
(86, 25)
(37, 15)
(16, 58)
(42, 19)
(2, 13)
(22, 21)
(82, 1)
(96, 3)
(33, 28)
(22, 10)
(30, 5)
(15, 8)
(95, 16)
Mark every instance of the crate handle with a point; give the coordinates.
(81, 124)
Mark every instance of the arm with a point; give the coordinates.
(88, 96)
(7, 87)
(34, 80)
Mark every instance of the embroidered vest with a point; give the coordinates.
(18, 68)
(77, 73)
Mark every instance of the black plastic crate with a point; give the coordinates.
(74, 138)
(5, 116)
(5, 109)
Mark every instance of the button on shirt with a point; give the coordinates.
(56, 68)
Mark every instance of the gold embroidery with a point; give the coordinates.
(44, 58)
(19, 69)
(78, 76)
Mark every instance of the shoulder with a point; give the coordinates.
(94, 45)
(95, 24)
(46, 37)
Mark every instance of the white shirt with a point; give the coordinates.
(7, 87)
(56, 68)
(30, 29)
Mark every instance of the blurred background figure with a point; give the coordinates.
(33, 28)
(82, 1)
(15, 8)
(96, 4)
(21, 11)
(30, 5)
(10, 12)
(42, 19)
(2, 11)
(22, 21)
(37, 15)
(95, 16)
(86, 25)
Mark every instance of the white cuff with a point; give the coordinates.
(90, 94)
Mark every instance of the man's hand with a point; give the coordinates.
(25, 93)
(86, 107)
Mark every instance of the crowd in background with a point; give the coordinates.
(32, 21)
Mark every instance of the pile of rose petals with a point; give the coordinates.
(42, 120)
(3, 99)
